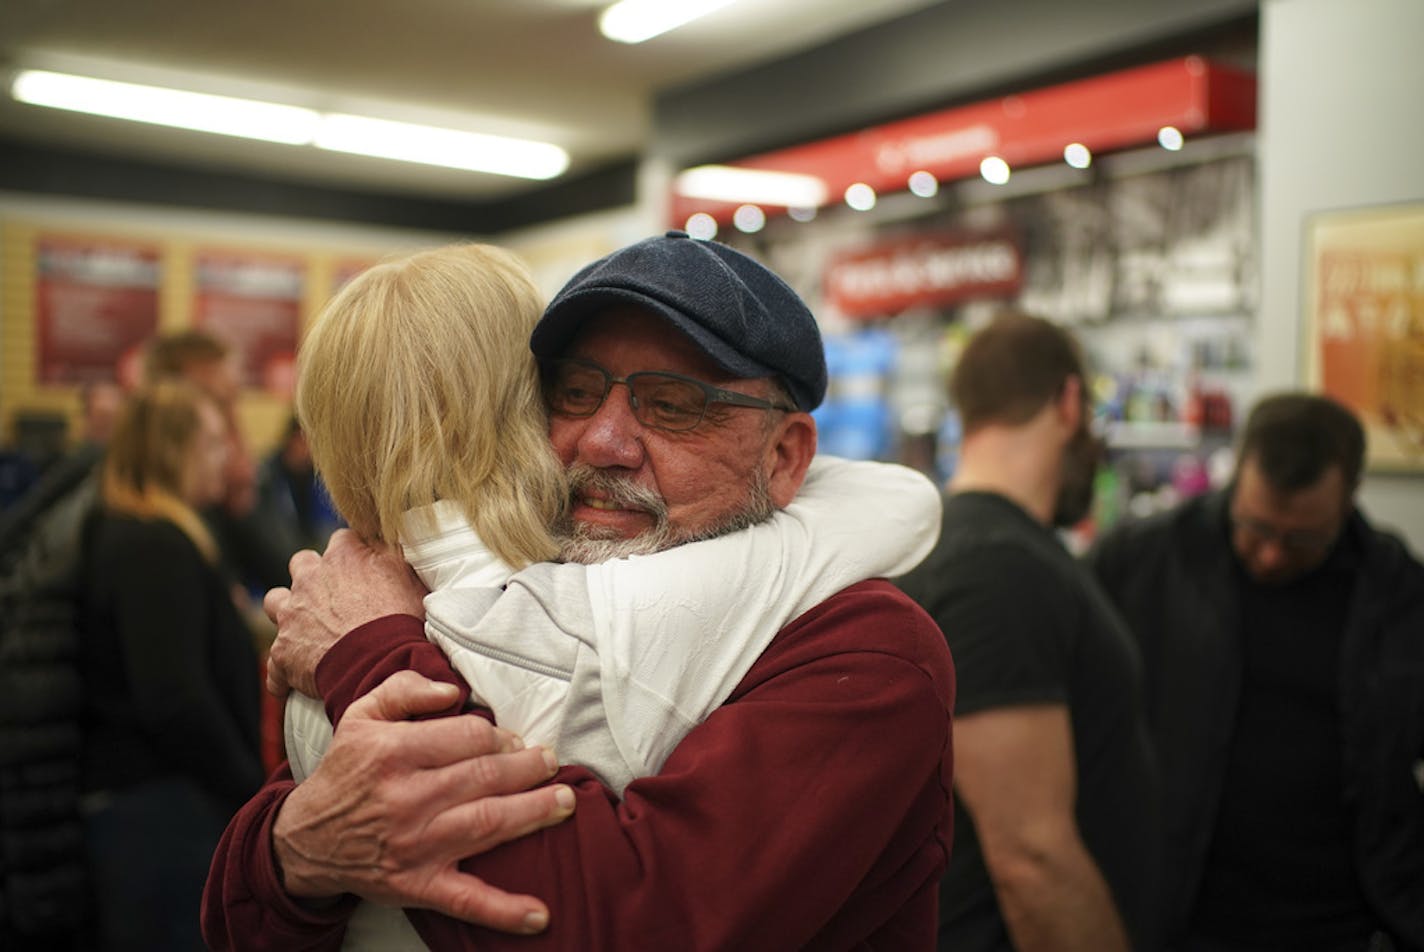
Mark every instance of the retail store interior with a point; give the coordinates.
(1164, 178)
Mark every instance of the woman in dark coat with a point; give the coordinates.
(171, 678)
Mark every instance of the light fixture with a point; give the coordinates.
(291, 125)
(451, 148)
(633, 21)
(994, 170)
(860, 196)
(726, 183)
(1077, 155)
(924, 184)
(1170, 138)
(702, 226)
(200, 112)
(749, 219)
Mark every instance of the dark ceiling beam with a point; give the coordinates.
(942, 56)
(30, 168)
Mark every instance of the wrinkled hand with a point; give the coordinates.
(396, 803)
(331, 595)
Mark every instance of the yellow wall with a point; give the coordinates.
(261, 415)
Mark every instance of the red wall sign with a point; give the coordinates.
(924, 270)
(254, 303)
(1115, 111)
(96, 305)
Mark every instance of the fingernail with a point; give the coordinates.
(564, 797)
(551, 760)
(536, 921)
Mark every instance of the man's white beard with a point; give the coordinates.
(588, 544)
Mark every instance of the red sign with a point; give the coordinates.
(924, 270)
(255, 304)
(1116, 111)
(96, 304)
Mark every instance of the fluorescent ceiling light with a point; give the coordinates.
(201, 112)
(448, 147)
(726, 183)
(633, 21)
(292, 125)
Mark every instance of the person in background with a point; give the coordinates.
(206, 361)
(292, 503)
(1054, 780)
(253, 556)
(1283, 638)
(809, 810)
(170, 676)
(99, 403)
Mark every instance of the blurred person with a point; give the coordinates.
(99, 403)
(170, 720)
(694, 333)
(292, 503)
(1283, 639)
(1054, 782)
(253, 556)
(207, 362)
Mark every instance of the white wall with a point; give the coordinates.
(1341, 101)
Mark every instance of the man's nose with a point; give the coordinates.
(1270, 554)
(613, 436)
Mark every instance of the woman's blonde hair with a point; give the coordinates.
(416, 384)
(149, 459)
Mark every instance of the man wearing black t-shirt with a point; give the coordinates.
(1283, 639)
(1055, 796)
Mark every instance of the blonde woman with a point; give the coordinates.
(170, 673)
(420, 399)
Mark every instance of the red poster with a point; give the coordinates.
(255, 304)
(925, 270)
(96, 304)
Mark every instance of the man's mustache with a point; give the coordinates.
(618, 489)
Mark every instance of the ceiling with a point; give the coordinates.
(532, 68)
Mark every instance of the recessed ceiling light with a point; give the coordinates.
(633, 21)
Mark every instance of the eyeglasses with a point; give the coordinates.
(1302, 541)
(664, 401)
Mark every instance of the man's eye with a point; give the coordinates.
(578, 396)
(673, 409)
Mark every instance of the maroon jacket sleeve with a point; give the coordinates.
(811, 810)
(244, 905)
(378, 649)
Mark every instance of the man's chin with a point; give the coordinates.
(589, 544)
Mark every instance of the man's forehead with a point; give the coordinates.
(1322, 501)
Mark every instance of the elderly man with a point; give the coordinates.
(1283, 639)
(809, 811)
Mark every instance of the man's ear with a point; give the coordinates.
(1071, 404)
(789, 456)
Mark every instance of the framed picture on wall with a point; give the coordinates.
(1364, 299)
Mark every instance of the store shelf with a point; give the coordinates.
(1124, 435)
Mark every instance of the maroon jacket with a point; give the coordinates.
(812, 810)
